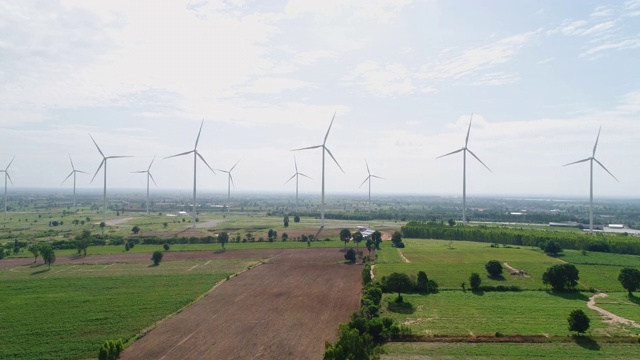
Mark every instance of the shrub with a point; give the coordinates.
(494, 268)
(350, 255)
(110, 350)
(156, 257)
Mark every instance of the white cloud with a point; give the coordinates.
(619, 45)
(496, 78)
(380, 10)
(382, 80)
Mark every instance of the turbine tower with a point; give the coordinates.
(73, 172)
(369, 180)
(591, 160)
(324, 150)
(464, 150)
(196, 155)
(229, 182)
(104, 191)
(149, 176)
(296, 175)
(7, 176)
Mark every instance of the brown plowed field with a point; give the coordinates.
(283, 309)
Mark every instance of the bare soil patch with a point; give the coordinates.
(403, 257)
(612, 317)
(283, 309)
(515, 272)
(114, 222)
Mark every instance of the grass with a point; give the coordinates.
(568, 350)
(621, 304)
(68, 311)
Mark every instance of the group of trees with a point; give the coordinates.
(402, 283)
(396, 240)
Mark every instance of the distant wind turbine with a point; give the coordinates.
(324, 150)
(104, 162)
(149, 176)
(369, 180)
(7, 176)
(296, 175)
(196, 155)
(464, 150)
(591, 160)
(229, 182)
(73, 173)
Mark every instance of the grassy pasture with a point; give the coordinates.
(620, 304)
(570, 350)
(68, 311)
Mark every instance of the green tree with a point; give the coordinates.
(110, 350)
(352, 345)
(102, 226)
(165, 224)
(284, 236)
(47, 253)
(223, 238)
(83, 241)
(396, 240)
(357, 238)
(561, 277)
(578, 321)
(296, 219)
(166, 247)
(377, 239)
(369, 245)
(451, 222)
(399, 283)
(345, 236)
(494, 268)
(552, 248)
(286, 221)
(475, 281)
(156, 257)
(350, 255)
(422, 282)
(630, 279)
(33, 249)
(135, 229)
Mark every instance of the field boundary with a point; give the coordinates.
(521, 339)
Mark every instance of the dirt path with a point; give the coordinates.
(373, 276)
(515, 272)
(115, 221)
(208, 224)
(613, 317)
(283, 309)
(403, 258)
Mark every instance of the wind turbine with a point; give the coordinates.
(229, 182)
(464, 150)
(104, 162)
(196, 155)
(296, 175)
(369, 180)
(7, 176)
(324, 150)
(73, 172)
(149, 176)
(591, 160)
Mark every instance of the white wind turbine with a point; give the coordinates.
(464, 150)
(369, 180)
(196, 155)
(229, 182)
(591, 160)
(297, 176)
(7, 176)
(73, 173)
(324, 150)
(104, 191)
(149, 176)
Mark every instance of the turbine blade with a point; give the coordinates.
(327, 135)
(118, 156)
(365, 180)
(451, 153)
(184, 153)
(65, 179)
(152, 179)
(605, 169)
(99, 167)
(198, 138)
(334, 159)
(152, 160)
(231, 178)
(100, 151)
(234, 166)
(140, 172)
(308, 148)
(468, 131)
(291, 178)
(80, 171)
(205, 161)
(576, 162)
(9, 177)
(477, 158)
(224, 171)
(596, 144)
(377, 177)
(308, 177)
(368, 172)
(10, 162)
(295, 162)
(72, 167)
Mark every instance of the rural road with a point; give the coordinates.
(615, 318)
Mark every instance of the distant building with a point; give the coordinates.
(572, 224)
(616, 226)
(366, 232)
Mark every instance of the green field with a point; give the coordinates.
(68, 311)
(569, 350)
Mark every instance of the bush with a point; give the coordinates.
(156, 257)
(166, 246)
(494, 268)
(350, 255)
(475, 281)
(578, 321)
(110, 350)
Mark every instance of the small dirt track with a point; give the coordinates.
(283, 309)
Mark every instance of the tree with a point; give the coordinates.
(284, 236)
(475, 281)
(422, 283)
(630, 279)
(83, 241)
(102, 225)
(223, 238)
(578, 321)
(135, 229)
(351, 345)
(561, 277)
(494, 268)
(396, 240)
(345, 236)
(47, 253)
(286, 221)
(357, 238)
(350, 255)
(165, 247)
(165, 224)
(377, 239)
(156, 257)
(400, 283)
(33, 249)
(369, 244)
(110, 350)
(552, 248)
(451, 222)
(296, 219)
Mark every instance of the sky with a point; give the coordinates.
(402, 78)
